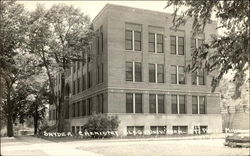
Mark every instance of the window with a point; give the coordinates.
(151, 42)
(89, 79)
(156, 103)
(133, 40)
(102, 72)
(78, 85)
(73, 110)
(78, 65)
(133, 103)
(180, 129)
(49, 114)
(137, 40)
(177, 45)
(196, 43)
(158, 130)
(194, 105)
(128, 40)
(160, 73)
(133, 71)
(101, 29)
(178, 104)
(77, 130)
(83, 82)
(198, 104)
(89, 106)
(73, 129)
(156, 73)
(129, 103)
(151, 73)
(74, 89)
(182, 105)
(74, 66)
(152, 103)
(135, 130)
(200, 129)
(129, 71)
(177, 74)
(138, 72)
(98, 74)
(100, 103)
(155, 43)
(198, 77)
(83, 107)
(78, 109)
(138, 103)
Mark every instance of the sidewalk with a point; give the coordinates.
(32, 146)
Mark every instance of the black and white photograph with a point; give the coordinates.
(124, 78)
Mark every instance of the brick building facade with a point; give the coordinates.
(137, 72)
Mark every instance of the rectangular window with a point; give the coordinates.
(161, 103)
(158, 130)
(83, 82)
(88, 107)
(74, 84)
(160, 73)
(198, 77)
(151, 42)
(128, 40)
(78, 85)
(174, 106)
(137, 40)
(133, 103)
(138, 103)
(180, 129)
(73, 130)
(98, 74)
(100, 103)
(73, 110)
(138, 72)
(181, 75)
(180, 45)
(173, 74)
(129, 103)
(156, 103)
(202, 105)
(89, 79)
(198, 104)
(133, 71)
(78, 109)
(74, 66)
(102, 40)
(83, 107)
(194, 105)
(152, 103)
(201, 77)
(173, 44)
(133, 40)
(152, 73)
(78, 65)
(102, 74)
(159, 43)
(177, 74)
(182, 104)
(129, 71)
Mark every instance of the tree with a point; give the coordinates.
(13, 18)
(59, 36)
(226, 52)
(16, 90)
(37, 99)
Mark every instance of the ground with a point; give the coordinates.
(29, 145)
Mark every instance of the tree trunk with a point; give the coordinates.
(61, 105)
(9, 116)
(35, 117)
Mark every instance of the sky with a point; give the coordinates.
(92, 8)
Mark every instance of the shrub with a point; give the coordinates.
(101, 123)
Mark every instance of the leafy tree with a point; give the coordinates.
(37, 100)
(72, 32)
(13, 18)
(226, 52)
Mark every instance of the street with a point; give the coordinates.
(32, 146)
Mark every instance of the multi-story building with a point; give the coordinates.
(137, 73)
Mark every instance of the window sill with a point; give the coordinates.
(133, 51)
